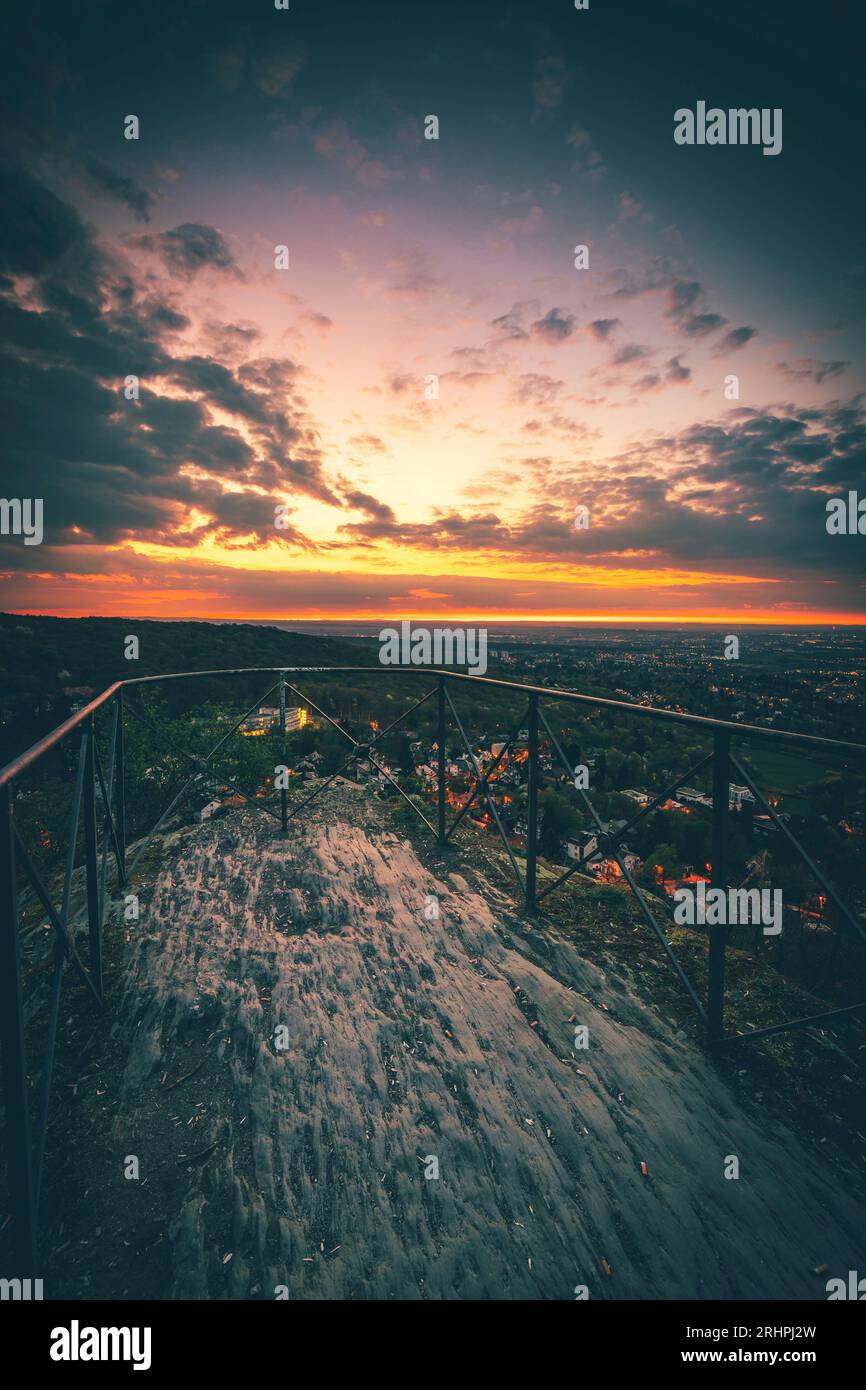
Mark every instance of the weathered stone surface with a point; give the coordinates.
(450, 1038)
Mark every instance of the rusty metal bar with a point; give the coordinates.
(16, 1102)
(718, 932)
(19, 764)
(532, 806)
(94, 925)
(283, 790)
(120, 790)
(440, 761)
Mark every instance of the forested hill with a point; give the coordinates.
(41, 658)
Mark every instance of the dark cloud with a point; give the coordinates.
(110, 468)
(118, 187)
(363, 502)
(192, 247)
(675, 371)
(602, 328)
(699, 325)
(36, 228)
(554, 327)
(510, 325)
(684, 296)
(658, 274)
(232, 339)
(630, 352)
(808, 367)
(737, 338)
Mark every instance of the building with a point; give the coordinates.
(266, 719)
(582, 847)
(636, 794)
(737, 795)
(693, 797)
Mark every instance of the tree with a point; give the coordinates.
(663, 856)
(559, 820)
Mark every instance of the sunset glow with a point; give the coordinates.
(436, 381)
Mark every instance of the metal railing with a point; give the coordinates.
(99, 793)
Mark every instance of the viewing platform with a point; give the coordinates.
(338, 1060)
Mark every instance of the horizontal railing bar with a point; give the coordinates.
(811, 1021)
(24, 760)
(44, 745)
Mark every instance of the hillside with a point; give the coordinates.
(41, 657)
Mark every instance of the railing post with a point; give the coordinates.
(284, 805)
(94, 924)
(21, 1192)
(532, 803)
(440, 758)
(719, 855)
(119, 792)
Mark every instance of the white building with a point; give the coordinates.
(737, 795)
(585, 845)
(266, 719)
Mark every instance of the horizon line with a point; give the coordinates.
(389, 619)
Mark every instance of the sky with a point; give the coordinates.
(429, 393)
